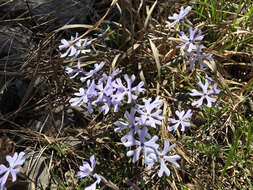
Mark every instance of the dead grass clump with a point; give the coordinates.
(216, 151)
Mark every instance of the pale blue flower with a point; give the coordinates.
(179, 17)
(214, 89)
(132, 124)
(75, 49)
(182, 120)
(88, 169)
(112, 75)
(144, 145)
(189, 41)
(128, 91)
(14, 162)
(93, 72)
(205, 95)
(94, 185)
(80, 99)
(115, 73)
(104, 90)
(156, 156)
(198, 56)
(104, 33)
(84, 95)
(149, 112)
(74, 71)
(104, 93)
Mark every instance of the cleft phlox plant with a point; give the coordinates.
(102, 92)
(106, 91)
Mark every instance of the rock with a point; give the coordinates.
(50, 13)
(15, 42)
(37, 170)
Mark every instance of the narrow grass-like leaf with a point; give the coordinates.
(237, 43)
(235, 23)
(248, 16)
(231, 154)
(202, 8)
(61, 185)
(250, 138)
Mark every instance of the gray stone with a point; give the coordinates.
(15, 41)
(36, 167)
(52, 13)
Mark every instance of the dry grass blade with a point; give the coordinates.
(130, 51)
(156, 56)
(70, 26)
(149, 15)
(141, 74)
(115, 61)
(109, 184)
(212, 65)
(58, 137)
(172, 184)
(30, 88)
(164, 130)
(180, 152)
(95, 26)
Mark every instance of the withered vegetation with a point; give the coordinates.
(36, 117)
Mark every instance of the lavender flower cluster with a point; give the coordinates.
(194, 51)
(104, 92)
(189, 47)
(148, 116)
